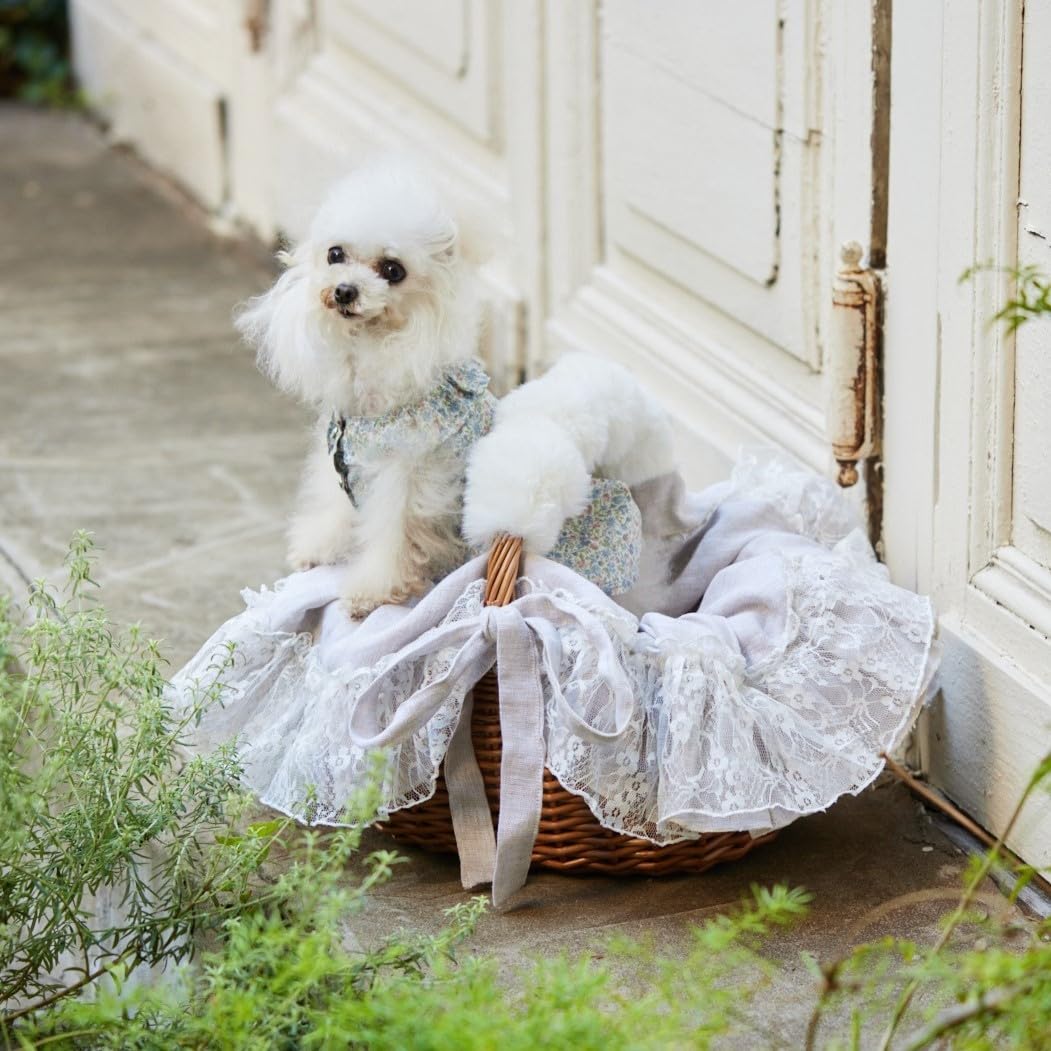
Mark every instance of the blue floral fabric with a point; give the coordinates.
(455, 414)
(602, 544)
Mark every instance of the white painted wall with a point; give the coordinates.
(155, 71)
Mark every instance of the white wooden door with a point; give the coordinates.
(187, 84)
(968, 406)
(703, 162)
(673, 183)
(673, 179)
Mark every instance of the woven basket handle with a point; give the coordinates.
(501, 573)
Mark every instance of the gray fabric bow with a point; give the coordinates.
(523, 641)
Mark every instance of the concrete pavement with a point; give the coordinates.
(127, 406)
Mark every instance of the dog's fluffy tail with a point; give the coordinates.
(533, 470)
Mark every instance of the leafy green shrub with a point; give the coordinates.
(284, 979)
(990, 989)
(95, 800)
(96, 797)
(34, 52)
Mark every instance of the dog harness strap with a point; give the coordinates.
(349, 473)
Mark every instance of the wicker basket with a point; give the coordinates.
(569, 839)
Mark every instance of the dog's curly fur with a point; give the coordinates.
(533, 470)
(385, 348)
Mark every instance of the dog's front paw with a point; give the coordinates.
(303, 554)
(360, 601)
(359, 606)
(316, 543)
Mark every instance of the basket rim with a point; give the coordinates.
(569, 839)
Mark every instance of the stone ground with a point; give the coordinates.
(128, 408)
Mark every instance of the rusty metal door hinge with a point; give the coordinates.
(257, 23)
(853, 402)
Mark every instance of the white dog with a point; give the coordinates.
(374, 324)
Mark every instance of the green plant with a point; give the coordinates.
(34, 52)
(285, 980)
(95, 794)
(1032, 295)
(96, 802)
(987, 991)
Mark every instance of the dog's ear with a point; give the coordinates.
(275, 323)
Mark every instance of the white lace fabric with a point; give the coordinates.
(800, 665)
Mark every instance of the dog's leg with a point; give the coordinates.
(534, 469)
(322, 531)
(377, 575)
(407, 530)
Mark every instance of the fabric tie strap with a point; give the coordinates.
(522, 639)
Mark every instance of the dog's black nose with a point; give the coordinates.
(345, 294)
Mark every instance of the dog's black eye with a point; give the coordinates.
(336, 255)
(392, 271)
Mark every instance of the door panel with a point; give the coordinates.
(436, 50)
(699, 160)
(435, 31)
(708, 177)
(730, 60)
(667, 185)
(192, 30)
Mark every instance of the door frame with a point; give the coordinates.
(948, 380)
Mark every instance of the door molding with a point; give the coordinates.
(956, 128)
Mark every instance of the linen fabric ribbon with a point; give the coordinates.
(523, 640)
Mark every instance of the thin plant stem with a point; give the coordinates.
(906, 998)
(832, 971)
(68, 990)
(928, 794)
(993, 1002)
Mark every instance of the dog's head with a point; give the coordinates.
(374, 300)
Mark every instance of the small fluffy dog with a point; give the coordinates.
(373, 324)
